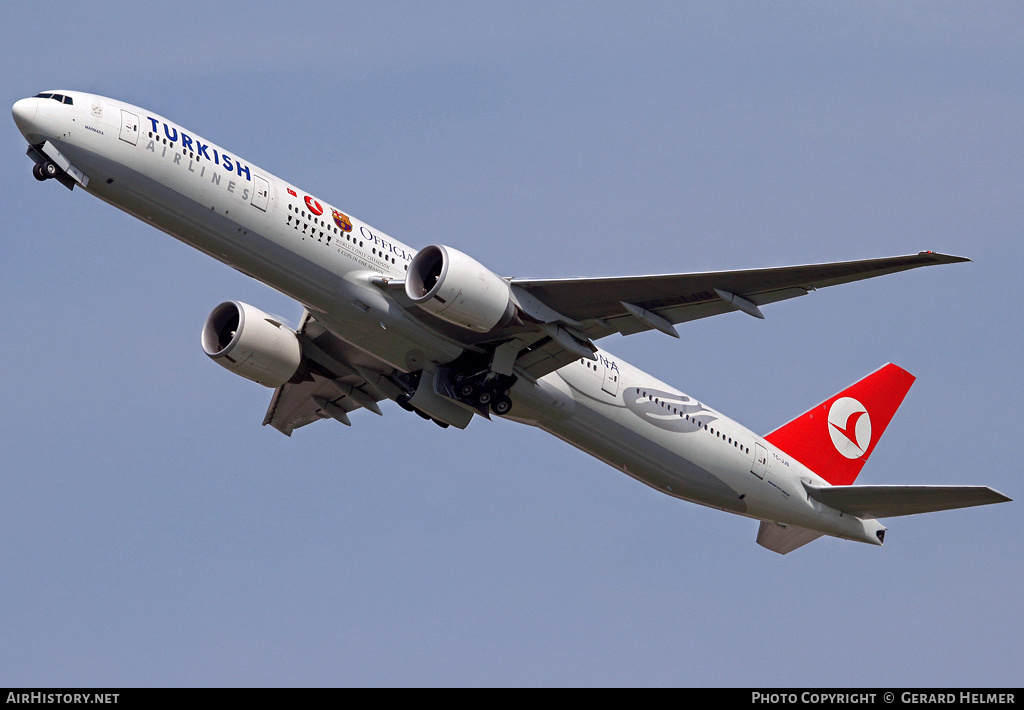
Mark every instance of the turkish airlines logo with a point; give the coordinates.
(314, 206)
(850, 426)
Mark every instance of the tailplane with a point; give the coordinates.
(836, 438)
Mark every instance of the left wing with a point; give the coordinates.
(333, 387)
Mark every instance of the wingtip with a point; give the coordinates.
(940, 258)
(1002, 498)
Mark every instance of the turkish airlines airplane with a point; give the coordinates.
(448, 339)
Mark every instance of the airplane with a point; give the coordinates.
(449, 340)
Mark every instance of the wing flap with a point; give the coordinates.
(894, 501)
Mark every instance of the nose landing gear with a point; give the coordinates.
(45, 170)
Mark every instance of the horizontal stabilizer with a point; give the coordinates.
(783, 539)
(893, 501)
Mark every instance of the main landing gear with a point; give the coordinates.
(470, 380)
(482, 393)
(45, 170)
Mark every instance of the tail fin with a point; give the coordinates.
(836, 438)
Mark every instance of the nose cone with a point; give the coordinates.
(24, 115)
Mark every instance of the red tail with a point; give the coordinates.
(835, 438)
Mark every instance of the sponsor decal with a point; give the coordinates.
(314, 206)
(668, 410)
(342, 220)
(850, 427)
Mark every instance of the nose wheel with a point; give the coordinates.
(45, 170)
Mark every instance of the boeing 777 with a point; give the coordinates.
(448, 339)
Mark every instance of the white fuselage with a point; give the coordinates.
(271, 230)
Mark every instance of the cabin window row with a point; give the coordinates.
(323, 223)
(700, 425)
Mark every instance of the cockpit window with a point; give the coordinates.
(59, 98)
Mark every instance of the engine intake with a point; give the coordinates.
(252, 344)
(457, 288)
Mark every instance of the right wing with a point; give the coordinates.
(602, 304)
(561, 317)
(573, 312)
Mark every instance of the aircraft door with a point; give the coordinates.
(611, 380)
(129, 127)
(760, 461)
(261, 195)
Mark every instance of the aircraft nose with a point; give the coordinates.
(24, 112)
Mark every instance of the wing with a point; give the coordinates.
(335, 384)
(573, 312)
(633, 304)
(558, 319)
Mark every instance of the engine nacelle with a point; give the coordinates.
(457, 288)
(252, 344)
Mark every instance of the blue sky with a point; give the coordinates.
(153, 533)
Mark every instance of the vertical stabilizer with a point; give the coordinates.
(836, 438)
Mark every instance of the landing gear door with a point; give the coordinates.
(760, 464)
(129, 127)
(261, 195)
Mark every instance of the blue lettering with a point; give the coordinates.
(167, 132)
(201, 149)
(216, 157)
(241, 168)
(227, 163)
(154, 122)
(186, 141)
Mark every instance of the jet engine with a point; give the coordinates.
(252, 344)
(457, 288)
